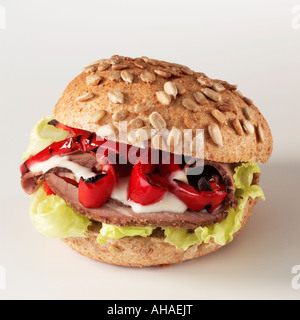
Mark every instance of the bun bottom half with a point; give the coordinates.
(142, 252)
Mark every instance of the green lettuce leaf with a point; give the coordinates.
(115, 232)
(52, 217)
(41, 136)
(180, 238)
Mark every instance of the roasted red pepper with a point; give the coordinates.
(194, 199)
(80, 140)
(174, 165)
(83, 143)
(198, 200)
(73, 131)
(145, 185)
(47, 189)
(95, 191)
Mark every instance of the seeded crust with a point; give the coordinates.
(142, 252)
(153, 94)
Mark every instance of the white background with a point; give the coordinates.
(255, 44)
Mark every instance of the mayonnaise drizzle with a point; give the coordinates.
(63, 162)
(168, 202)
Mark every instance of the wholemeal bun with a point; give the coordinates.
(149, 93)
(168, 101)
(142, 252)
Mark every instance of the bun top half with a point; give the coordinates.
(172, 100)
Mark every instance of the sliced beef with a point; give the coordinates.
(114, 212)
(30, 182)
(85, 159)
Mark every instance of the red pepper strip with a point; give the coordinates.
(95, 191)
(83, 143)
(109, 168)
(47, 189)
(73, 131)
(117, 148)
(167, 169)
(146, 187)
(90, 141)
(195, 200)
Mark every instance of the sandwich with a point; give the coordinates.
(146, 163)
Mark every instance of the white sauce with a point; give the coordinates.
(63, 162)
(168, 202)
(179, 175)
